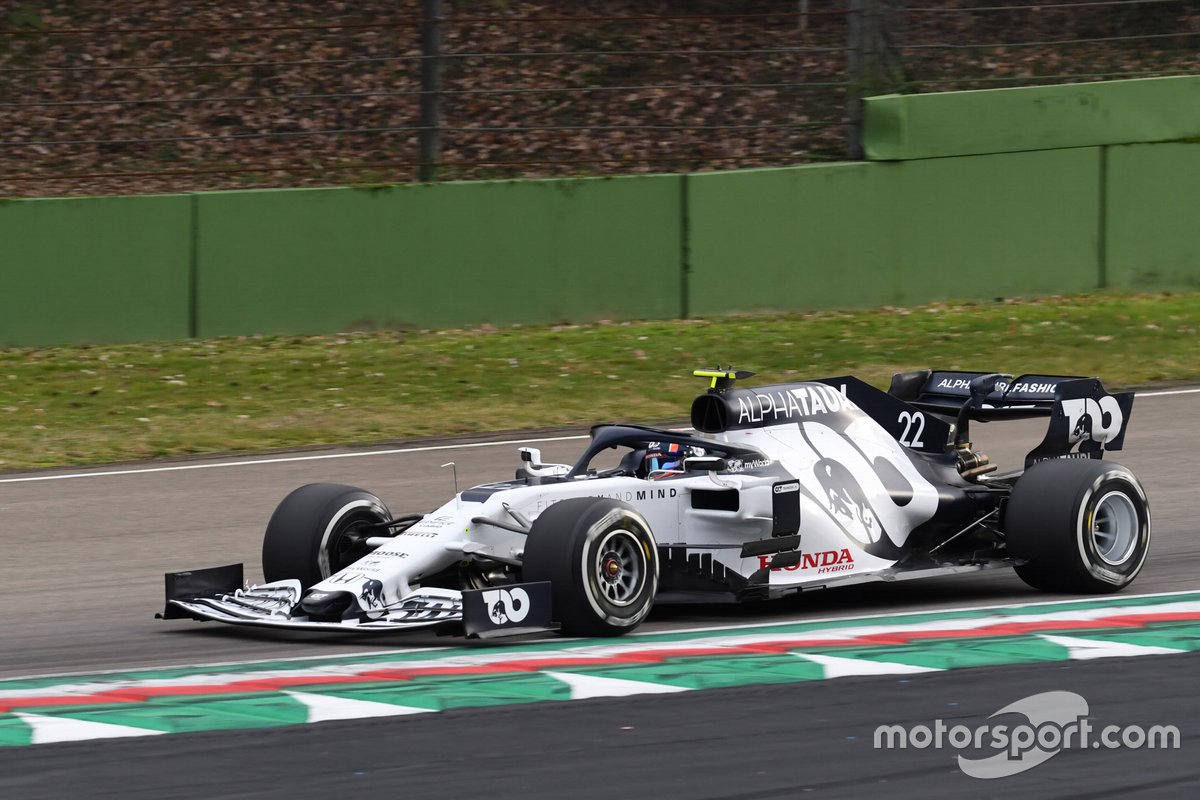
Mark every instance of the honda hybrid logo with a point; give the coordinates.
(506, 605)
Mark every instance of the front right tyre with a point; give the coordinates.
(318, 530)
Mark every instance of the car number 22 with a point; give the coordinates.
(914, 426)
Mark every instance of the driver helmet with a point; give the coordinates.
(663, 458)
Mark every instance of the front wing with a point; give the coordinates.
(217, 595)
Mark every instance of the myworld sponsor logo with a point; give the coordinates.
(1052, 722)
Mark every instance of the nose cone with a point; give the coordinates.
(327, 606)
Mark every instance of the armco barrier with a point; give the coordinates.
(110, 269)
(1152, 219)
(859, 235)
(899, 127)
(318, 260)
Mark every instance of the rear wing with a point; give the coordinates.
(947, 392)
(1081, 411)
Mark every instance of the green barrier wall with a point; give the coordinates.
(789, 238)
(439, 255)
(1034, 118)
(112, 269)
(1037, 213)
(878, 234)
(1153, 216)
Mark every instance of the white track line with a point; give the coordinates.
(1167, 392)
(359, 454)
(285, 459)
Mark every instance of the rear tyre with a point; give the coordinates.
(602, 563)
(318, 530)
(1082, 526)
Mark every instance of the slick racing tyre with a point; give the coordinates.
(602, 563)
(318, 530)
(1082, 526)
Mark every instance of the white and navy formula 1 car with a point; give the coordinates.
(780, 489)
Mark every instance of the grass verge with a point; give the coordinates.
(87, 405)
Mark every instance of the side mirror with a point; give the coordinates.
(533, 470)
(704, 464)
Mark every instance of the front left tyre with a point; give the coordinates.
(601, 560)
(318, 530)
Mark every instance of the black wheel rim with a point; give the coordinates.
(620, 568)
(347, 541)
(1113, 526)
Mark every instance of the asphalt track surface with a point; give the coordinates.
(758, 743)
(85, 552)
